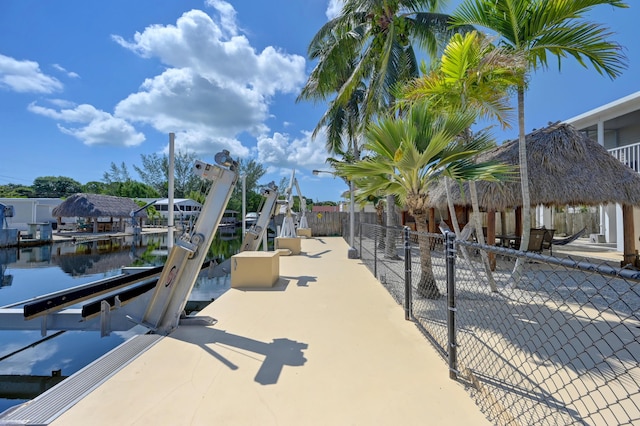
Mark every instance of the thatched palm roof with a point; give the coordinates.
(94, 205)
(565, 168)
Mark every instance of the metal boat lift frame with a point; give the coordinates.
(160, 309)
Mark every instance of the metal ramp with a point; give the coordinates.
(45, 408)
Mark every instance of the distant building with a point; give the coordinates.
(30, 210)
(182, 207)
(615, 126)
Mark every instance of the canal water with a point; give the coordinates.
(31, 363)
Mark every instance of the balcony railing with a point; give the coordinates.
(629, 155)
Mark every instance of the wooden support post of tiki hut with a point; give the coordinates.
(518, 212)
(628, 232)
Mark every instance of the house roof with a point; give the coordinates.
(95, 205)
(611, 115)
(565, 168)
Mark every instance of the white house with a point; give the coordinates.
(616, 126)
(30, 210)
(183, 208)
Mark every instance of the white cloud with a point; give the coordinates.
(206, 143)
(227, 14)
(212, 51)
(68, 73)
(333, 8)
(180, 100)
(96, 127)
(61, 103)
(26, 77)
(279, 151)
(23, 363)
(216, 86)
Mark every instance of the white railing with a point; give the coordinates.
(629, 155)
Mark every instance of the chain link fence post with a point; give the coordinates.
(360, 237)
(450, 256)
(407, 275)
(375, 254)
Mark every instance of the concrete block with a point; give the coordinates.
(596, 238)
(293, 244)
(253, 269)
(303, 232)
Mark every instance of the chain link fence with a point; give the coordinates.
(558, 345)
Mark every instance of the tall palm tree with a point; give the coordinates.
(371, 41)
(411, 152)
(539, 29)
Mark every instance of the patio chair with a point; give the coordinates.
(547, 240)
(536, 238)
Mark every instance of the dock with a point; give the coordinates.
(327, 345)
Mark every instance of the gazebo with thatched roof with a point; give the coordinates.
(94, 206)
(566, 167)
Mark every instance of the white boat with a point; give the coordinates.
(251, 218)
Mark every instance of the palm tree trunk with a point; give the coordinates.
(480, 234)
(456, 228)
(427, 285)
(524, 183)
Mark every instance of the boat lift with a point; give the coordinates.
(159, 302)
(258, 230)
(8, 236)
(288, 229)
(5, 212)
(135, 224)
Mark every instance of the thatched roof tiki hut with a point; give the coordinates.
(566, 167)
(92, 207)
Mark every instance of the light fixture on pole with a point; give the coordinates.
(352, 253)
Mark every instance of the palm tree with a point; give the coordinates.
(472, 75)
(411, 152)
(370, 41)
(538, 29)
(373, 41)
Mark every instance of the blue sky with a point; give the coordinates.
(84, 84)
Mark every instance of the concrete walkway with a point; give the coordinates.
(327, 346)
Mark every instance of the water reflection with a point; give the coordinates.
(33, 271)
